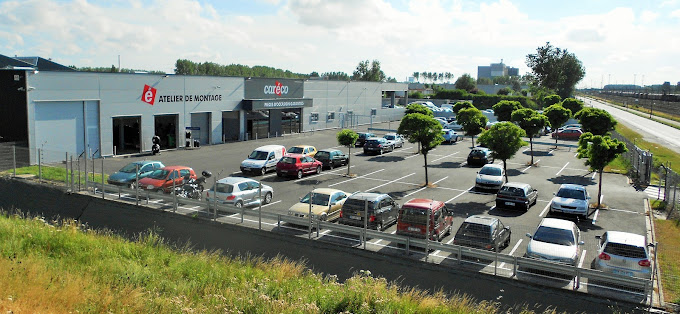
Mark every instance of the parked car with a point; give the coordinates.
(567, 134)
(483, 232)
(263, 159)
(161, 180)
(516, 195)
(555, 240)
(297, 165)
(377, 145)
(363, 136)
(491, 176)
(453, 126)
(239, 192)
(382, 210)
(623, 253)
(395, 139)
(571, 126)
(571, 199)
(412, 219)
(326, 204)
(137, 169)
(303, 149)
(480, 156)
(450, 136)
(331, 158)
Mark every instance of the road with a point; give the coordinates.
(651, 130)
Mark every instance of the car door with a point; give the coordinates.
(172, 176)
(271, 160)
(337, 200)
(145, 171)
(502, 234)
(254, 187)
(246, 192)
(309, 164)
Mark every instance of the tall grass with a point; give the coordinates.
(668, 235)
(60, 267)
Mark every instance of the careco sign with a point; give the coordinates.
(266, 88)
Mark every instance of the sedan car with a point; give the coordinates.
(303, 149)
(555, 240)
(567, 134)
(128, 175)
(623, 253)
(377, 145)
(161, 180)
(326, 204)
(491, 176)
(394, 139)
(451, 136)
(239, 192)
(483, 232)
(331, 158)
(480, 156)
(363, 136)
(297, 165)
(571, 199)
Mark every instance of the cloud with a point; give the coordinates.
(585, 35)
(648, 16)
(676, 13)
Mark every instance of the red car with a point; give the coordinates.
(568, 134)
(412, 219)
(161, 179)
(297, 165)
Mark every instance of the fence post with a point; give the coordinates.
(137, 184)
(66, 163)
(14, 159)
(72, 174)
(103, 190)
(174, 193)
(259, 211)
(85, 166)
(39, 165)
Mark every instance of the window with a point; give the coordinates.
(253, 185)
(184, 172)
(331, 116)
(243, 186)
(146, 168)
(314, 117)
(374, 111)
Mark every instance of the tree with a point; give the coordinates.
(504, 108)
(557, 116)
(599, 151)
(504, 91)
(573, 104)
(556, 69)
(418, 108)
(472, 120)
(424, 130)
(416, 75)
(596, 121)
(466, 82)
(484, 81)
(365, 73)
(462, 105)
(347, 137)
(551, 100)
(504, 139)
(531, 122)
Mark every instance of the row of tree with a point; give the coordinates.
(433, 77)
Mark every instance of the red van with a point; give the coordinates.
(412, 220)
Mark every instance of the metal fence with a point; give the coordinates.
(641, 161)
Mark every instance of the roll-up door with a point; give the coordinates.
(59, 128)
(202, 121)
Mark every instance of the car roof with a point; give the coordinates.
(626, 238)
(481, 220)
(572, 187)
(302, 146)
(493, 166)
(270, 147)
(328, 150)
(234, 180)
(480, 148)
(328, 191)
(375, 138)
(557, 223)
(391, 133)
(293, 155)
(145, 162)
(517, 185)
(175, 167)
(367, 196)
(423, 203)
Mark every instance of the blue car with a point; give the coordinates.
(127, 175)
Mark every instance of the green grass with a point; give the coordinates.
(58, 267)
(661, 153)
(668, 235)
(56, 174)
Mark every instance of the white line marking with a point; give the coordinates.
(272, 203)
(514, 248)
(450, 241)
(463, 164)
(551, 151)
(412, 156)
(418, 190)
(544, 210)
(449, 155)
(625, 211)
(334, 184)
(320, 174)
(525, 169)
(526, 149)
(386, 183)
(583, 257)
(597, 211)
(575, 155)
(455, 197)
(558, 173)
(593, 177)
(601, 198)
(325, 231)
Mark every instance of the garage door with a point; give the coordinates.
(60, 128)
(201, 120)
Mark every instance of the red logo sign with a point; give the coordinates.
(277, 89)
(149, 95)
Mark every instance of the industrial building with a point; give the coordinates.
(496, 69)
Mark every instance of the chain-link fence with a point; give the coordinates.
(640, 160)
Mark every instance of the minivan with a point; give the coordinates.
(382, 210)
(412, 219)
(263, 159)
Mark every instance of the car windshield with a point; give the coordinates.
(224, 188)
(390, 137)
(413, 215)
(295, 150)
(571, 193)
(159, 174)
(474, 230)
(513, 191)
(490, 171)
(373, 142)
(625, 250)
(288, 160)
(321, 155)
(477, 152)
(554, 236)
(131, 168)
(258, 155)
(318, 199)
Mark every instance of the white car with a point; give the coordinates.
(491, 176)
(239, 192)
(623, 253)
(394, 139)
(263, 159)
(571, 199)
(555, 240)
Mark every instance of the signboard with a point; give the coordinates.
(266, 88)
(193, 128)
(266, 104)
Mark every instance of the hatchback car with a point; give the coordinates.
(451, 136)
(483, 232)
(516, 195)
(239, 192)
(161, 180)
(555, 240)
(326, 204)
(395, 139)
(412, 220)
(363, 136)
(490, 177)
(571, 199)
(567, 134)
(138, 169)
(623, 253)
(377, 145)
(480, 156)
(382, 210)
(297, 165)
(331, 158)
(303, 150)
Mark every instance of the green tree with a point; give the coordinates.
(424, 130)
(556, 69)
(504, 139)
(504, 91)
(596, 121)
(418, 108)
(416, 75)
(484, 81)
(466, 82)
(599, 151)
(472, 120)
(531, 122)
(504, 108)
(336, 76)
(557, 116)
(573, 104)
(347, 137)
(371, 73)
(551, 100)
(461, 105)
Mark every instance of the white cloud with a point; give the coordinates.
(676, 13)
(648, 16)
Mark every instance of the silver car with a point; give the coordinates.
(395, 139)
(239, 192)
(571, 199)
(555, 240)
(623, 253)
(491, 176)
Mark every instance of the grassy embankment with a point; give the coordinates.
(55, 174)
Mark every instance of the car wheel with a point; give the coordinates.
(263, 171)
(239, 204)
(379, 227)
(267, 198)
(380, 152)
(331, 165)
(323, 217)
(299, 174)
(318, 169)
(279, 174)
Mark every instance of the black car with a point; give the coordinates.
(480, 156)
(483, 232)
(331, 158)
(382, 210)
(363, 136)
(378, 145)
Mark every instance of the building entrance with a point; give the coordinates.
(290, 121)
(165, 126)
(126, 135)
(257, 124)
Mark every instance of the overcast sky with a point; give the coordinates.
(617, 41)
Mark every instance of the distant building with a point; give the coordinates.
(496, 69)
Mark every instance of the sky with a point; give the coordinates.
(618, 42)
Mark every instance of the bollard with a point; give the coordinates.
(259, 212)
(103, 197)
(39, 166)
(66, 181)
(14, 159)
(365, 221)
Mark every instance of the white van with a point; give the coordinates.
(263, 159)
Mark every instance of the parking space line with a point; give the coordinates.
(597, 211)
(386, 183)
(425, 187)
(320, 174)
(546, 166)
(625, 211)
(526, 149)
(412, 156)
(455, 197)
(272, 203)
(583, 257)
(334, 184)
(450, 241)
(544, 210)
(527, 168)
(558, 173)
(551, 151)
(449, 155)
(575, 155)
(514, 248)
(593, 177)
